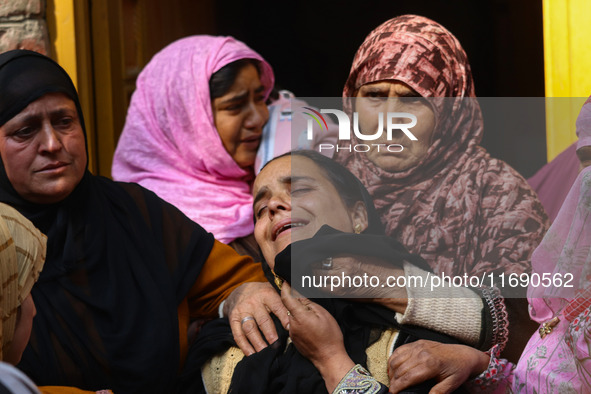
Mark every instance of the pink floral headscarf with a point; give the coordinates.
(584, 125)
(460, 209)
(170, 144)
(566, 248)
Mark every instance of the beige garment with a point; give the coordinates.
(22, 254)
(217, 372)
(455, 311)
(378, 354)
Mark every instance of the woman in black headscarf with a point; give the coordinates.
(308, 208)
(125, 271)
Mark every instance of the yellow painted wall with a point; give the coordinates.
(62, 34)
(567, 62)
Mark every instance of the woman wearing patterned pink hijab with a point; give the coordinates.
(557, 358)
(443, 196)
(194, 147)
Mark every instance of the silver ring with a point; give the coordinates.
(247, 318)
(327, 263)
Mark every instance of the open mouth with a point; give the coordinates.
(255, 138)
(287, 226)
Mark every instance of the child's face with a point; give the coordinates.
(22, 331)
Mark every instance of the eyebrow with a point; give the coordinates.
(242, 96)
(233, 99)
(374, 88)
(301, 178)
(54, 113)
(63, 111)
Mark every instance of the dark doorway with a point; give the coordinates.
(311, 45)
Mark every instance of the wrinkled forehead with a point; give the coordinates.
(292, 164)
(27, 76)
(285, 169)
(272, 172)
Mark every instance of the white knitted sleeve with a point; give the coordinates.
(455, 311)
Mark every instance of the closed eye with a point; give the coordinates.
(260, 211)
(301, 190)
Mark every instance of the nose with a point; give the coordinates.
(279, 203)
(50, 140)
(258, 116)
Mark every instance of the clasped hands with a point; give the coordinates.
(250, 306)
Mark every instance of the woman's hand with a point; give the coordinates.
(318, 337)
(422, 360)
(248, 308)
(377, 279)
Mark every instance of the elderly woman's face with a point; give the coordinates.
(291, 203)
(43, 149)
(240, 114)
(371, 100)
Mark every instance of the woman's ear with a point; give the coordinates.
(358, 216)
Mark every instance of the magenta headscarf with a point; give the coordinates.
(170, 144)
(460, 209)
(566, 247)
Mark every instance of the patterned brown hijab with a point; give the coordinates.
(460, 209)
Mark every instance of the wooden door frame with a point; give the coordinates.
(85, 38)
(110, 104)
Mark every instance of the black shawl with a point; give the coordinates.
(119, 262)
(280, 368)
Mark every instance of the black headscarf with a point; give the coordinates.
(119, 262)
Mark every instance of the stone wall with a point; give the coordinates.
(23, 26)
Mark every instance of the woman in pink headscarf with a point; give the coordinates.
(193, 129)
(557, 358)
(442, 196)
